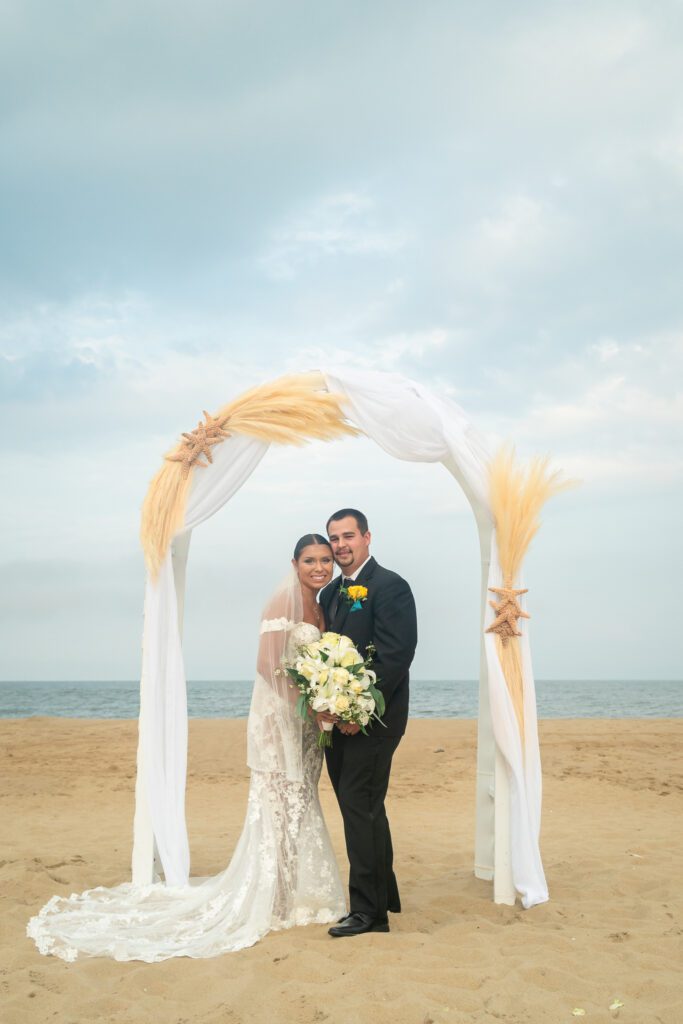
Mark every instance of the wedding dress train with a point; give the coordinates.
(283, 871)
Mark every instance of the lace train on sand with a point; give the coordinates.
(283, 873)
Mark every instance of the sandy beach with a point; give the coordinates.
(612, 849)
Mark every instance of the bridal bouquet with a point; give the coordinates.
(331, 675)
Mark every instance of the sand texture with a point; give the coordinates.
(612, 849)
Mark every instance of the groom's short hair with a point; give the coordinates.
(361, 520)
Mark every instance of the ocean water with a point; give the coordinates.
(429, 698)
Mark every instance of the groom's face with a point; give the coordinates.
(350, 547)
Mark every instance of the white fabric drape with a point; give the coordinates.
(410, 423)
(162, 754)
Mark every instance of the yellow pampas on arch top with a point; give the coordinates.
(291, 410)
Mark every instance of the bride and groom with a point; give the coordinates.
(283, 871)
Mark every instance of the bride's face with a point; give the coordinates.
(314, 566)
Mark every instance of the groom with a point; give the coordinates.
(358, 764)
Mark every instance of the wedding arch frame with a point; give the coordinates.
(411, 423)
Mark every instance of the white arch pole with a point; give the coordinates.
(492, 854)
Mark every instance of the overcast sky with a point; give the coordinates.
(198, 197)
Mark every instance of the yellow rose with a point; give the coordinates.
(357, 593)
(341, 704)
(350, 658)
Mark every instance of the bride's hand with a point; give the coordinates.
(325, 716)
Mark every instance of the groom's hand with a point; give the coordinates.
(348, 728)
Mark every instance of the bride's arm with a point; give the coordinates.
(276, 627)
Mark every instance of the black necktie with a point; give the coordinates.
(348, 582)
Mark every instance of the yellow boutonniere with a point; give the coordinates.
(356, 595)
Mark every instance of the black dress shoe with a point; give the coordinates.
(344, 918)
(357, 924)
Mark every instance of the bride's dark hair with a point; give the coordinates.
(307, 540)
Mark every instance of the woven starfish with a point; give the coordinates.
(199, 442)
(508, 611)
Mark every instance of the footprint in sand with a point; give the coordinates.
(40, 981)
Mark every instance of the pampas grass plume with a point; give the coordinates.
(518, 493)
(294, 410)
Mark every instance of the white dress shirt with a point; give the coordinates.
(354, 575)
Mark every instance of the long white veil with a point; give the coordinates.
(273, 729)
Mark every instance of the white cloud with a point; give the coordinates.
(523, 235)
(627, 468)
(342, 224)
(391, 352)
(606, 349)
(614, 414)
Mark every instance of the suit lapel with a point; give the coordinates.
(342, 612)
(331, 606)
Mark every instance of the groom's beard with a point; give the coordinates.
(344, 561)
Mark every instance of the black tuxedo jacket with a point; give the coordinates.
(387, 619)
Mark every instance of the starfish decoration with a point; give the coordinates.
(507, 613)
(199, 442)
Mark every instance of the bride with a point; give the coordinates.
(282, 873)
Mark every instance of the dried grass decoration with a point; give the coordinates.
(517, 494)
(291, 410)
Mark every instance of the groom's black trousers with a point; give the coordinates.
(359, 767)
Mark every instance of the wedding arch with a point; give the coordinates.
(410, 423)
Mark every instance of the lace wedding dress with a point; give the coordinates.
(283, 871)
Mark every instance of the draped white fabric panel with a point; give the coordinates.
(523, 765)
(162, 754)
(410, 423)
